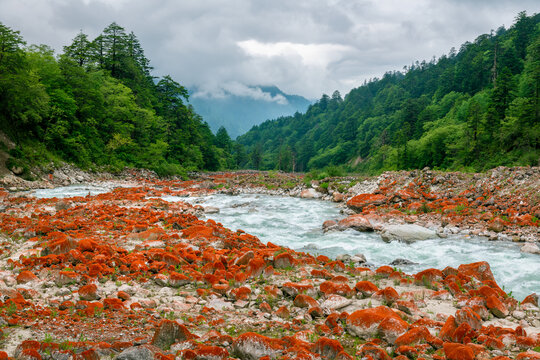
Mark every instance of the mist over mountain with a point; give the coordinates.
(238, 108)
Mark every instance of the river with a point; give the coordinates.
(296, 223)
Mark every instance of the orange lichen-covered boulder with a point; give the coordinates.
(283, 261)
(254, 346)
(467, 315)
(416, 335)
(305, 301)
(241, 293)
(480, 270)
(25, 277)
(380, 320)
(496, 307)
(331, 287)
(360, 201)
(454, 351)
(366, 288)
(88, 292)
(391, 328)
(372, 351)
(357, 222)
(388, 295)
(327, 348)
(169, 332)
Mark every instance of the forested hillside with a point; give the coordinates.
(98, 105)
(472, 109)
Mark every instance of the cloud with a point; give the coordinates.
(238, 89)
(304, 47)
(316, 55)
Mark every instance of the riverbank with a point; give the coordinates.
(501, 204)
(126, 274)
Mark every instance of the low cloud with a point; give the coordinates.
(238, 89)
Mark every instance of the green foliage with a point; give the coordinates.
(98, 105)
(472, 109)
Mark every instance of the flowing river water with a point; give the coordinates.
(297, 224)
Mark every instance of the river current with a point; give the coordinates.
(297, 223)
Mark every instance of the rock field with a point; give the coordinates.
(127, 275)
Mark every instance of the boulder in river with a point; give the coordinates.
(310, 194)
(407, 233)
(400, 261)
(530, 248)
(356, 222)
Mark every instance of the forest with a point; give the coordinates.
(473, 109)
(98, 106)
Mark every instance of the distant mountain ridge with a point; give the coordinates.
(238, 112)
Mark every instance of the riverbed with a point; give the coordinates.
(297, 223)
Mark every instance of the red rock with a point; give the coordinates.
(366, 288)
(529, 355)
(480, 270)
(321, 274)
(265, 307)
(315, 312)
(66, 277)
(25, 277)
(305, 301)
(429, 275)
(88, 292)
(496, 307)
(211, 353)
(113, 304)
(177, 279)
(327, 348)
(363, 200)
(372, 351)
(169, 332)
(463, 332)
(384, 271)
(254, 346)
(255, 266)
(416, 335)
(328, 225)
(387, 295)
(448, 329)
(244, 259)
(330, 287)
(124, 296)
(455, 351)
(467, 315)
(357, 222)
(531, 299)
(366, 323)
(241, 293)
(283, 261)
(283, 313)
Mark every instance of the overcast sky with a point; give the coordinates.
(305, 47)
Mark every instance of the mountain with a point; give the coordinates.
(473, 109)
(238, 111)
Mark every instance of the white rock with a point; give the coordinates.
(530, 248)
(310, 194)
(407, 233)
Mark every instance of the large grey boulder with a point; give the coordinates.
(407, 233)
(136, 353)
